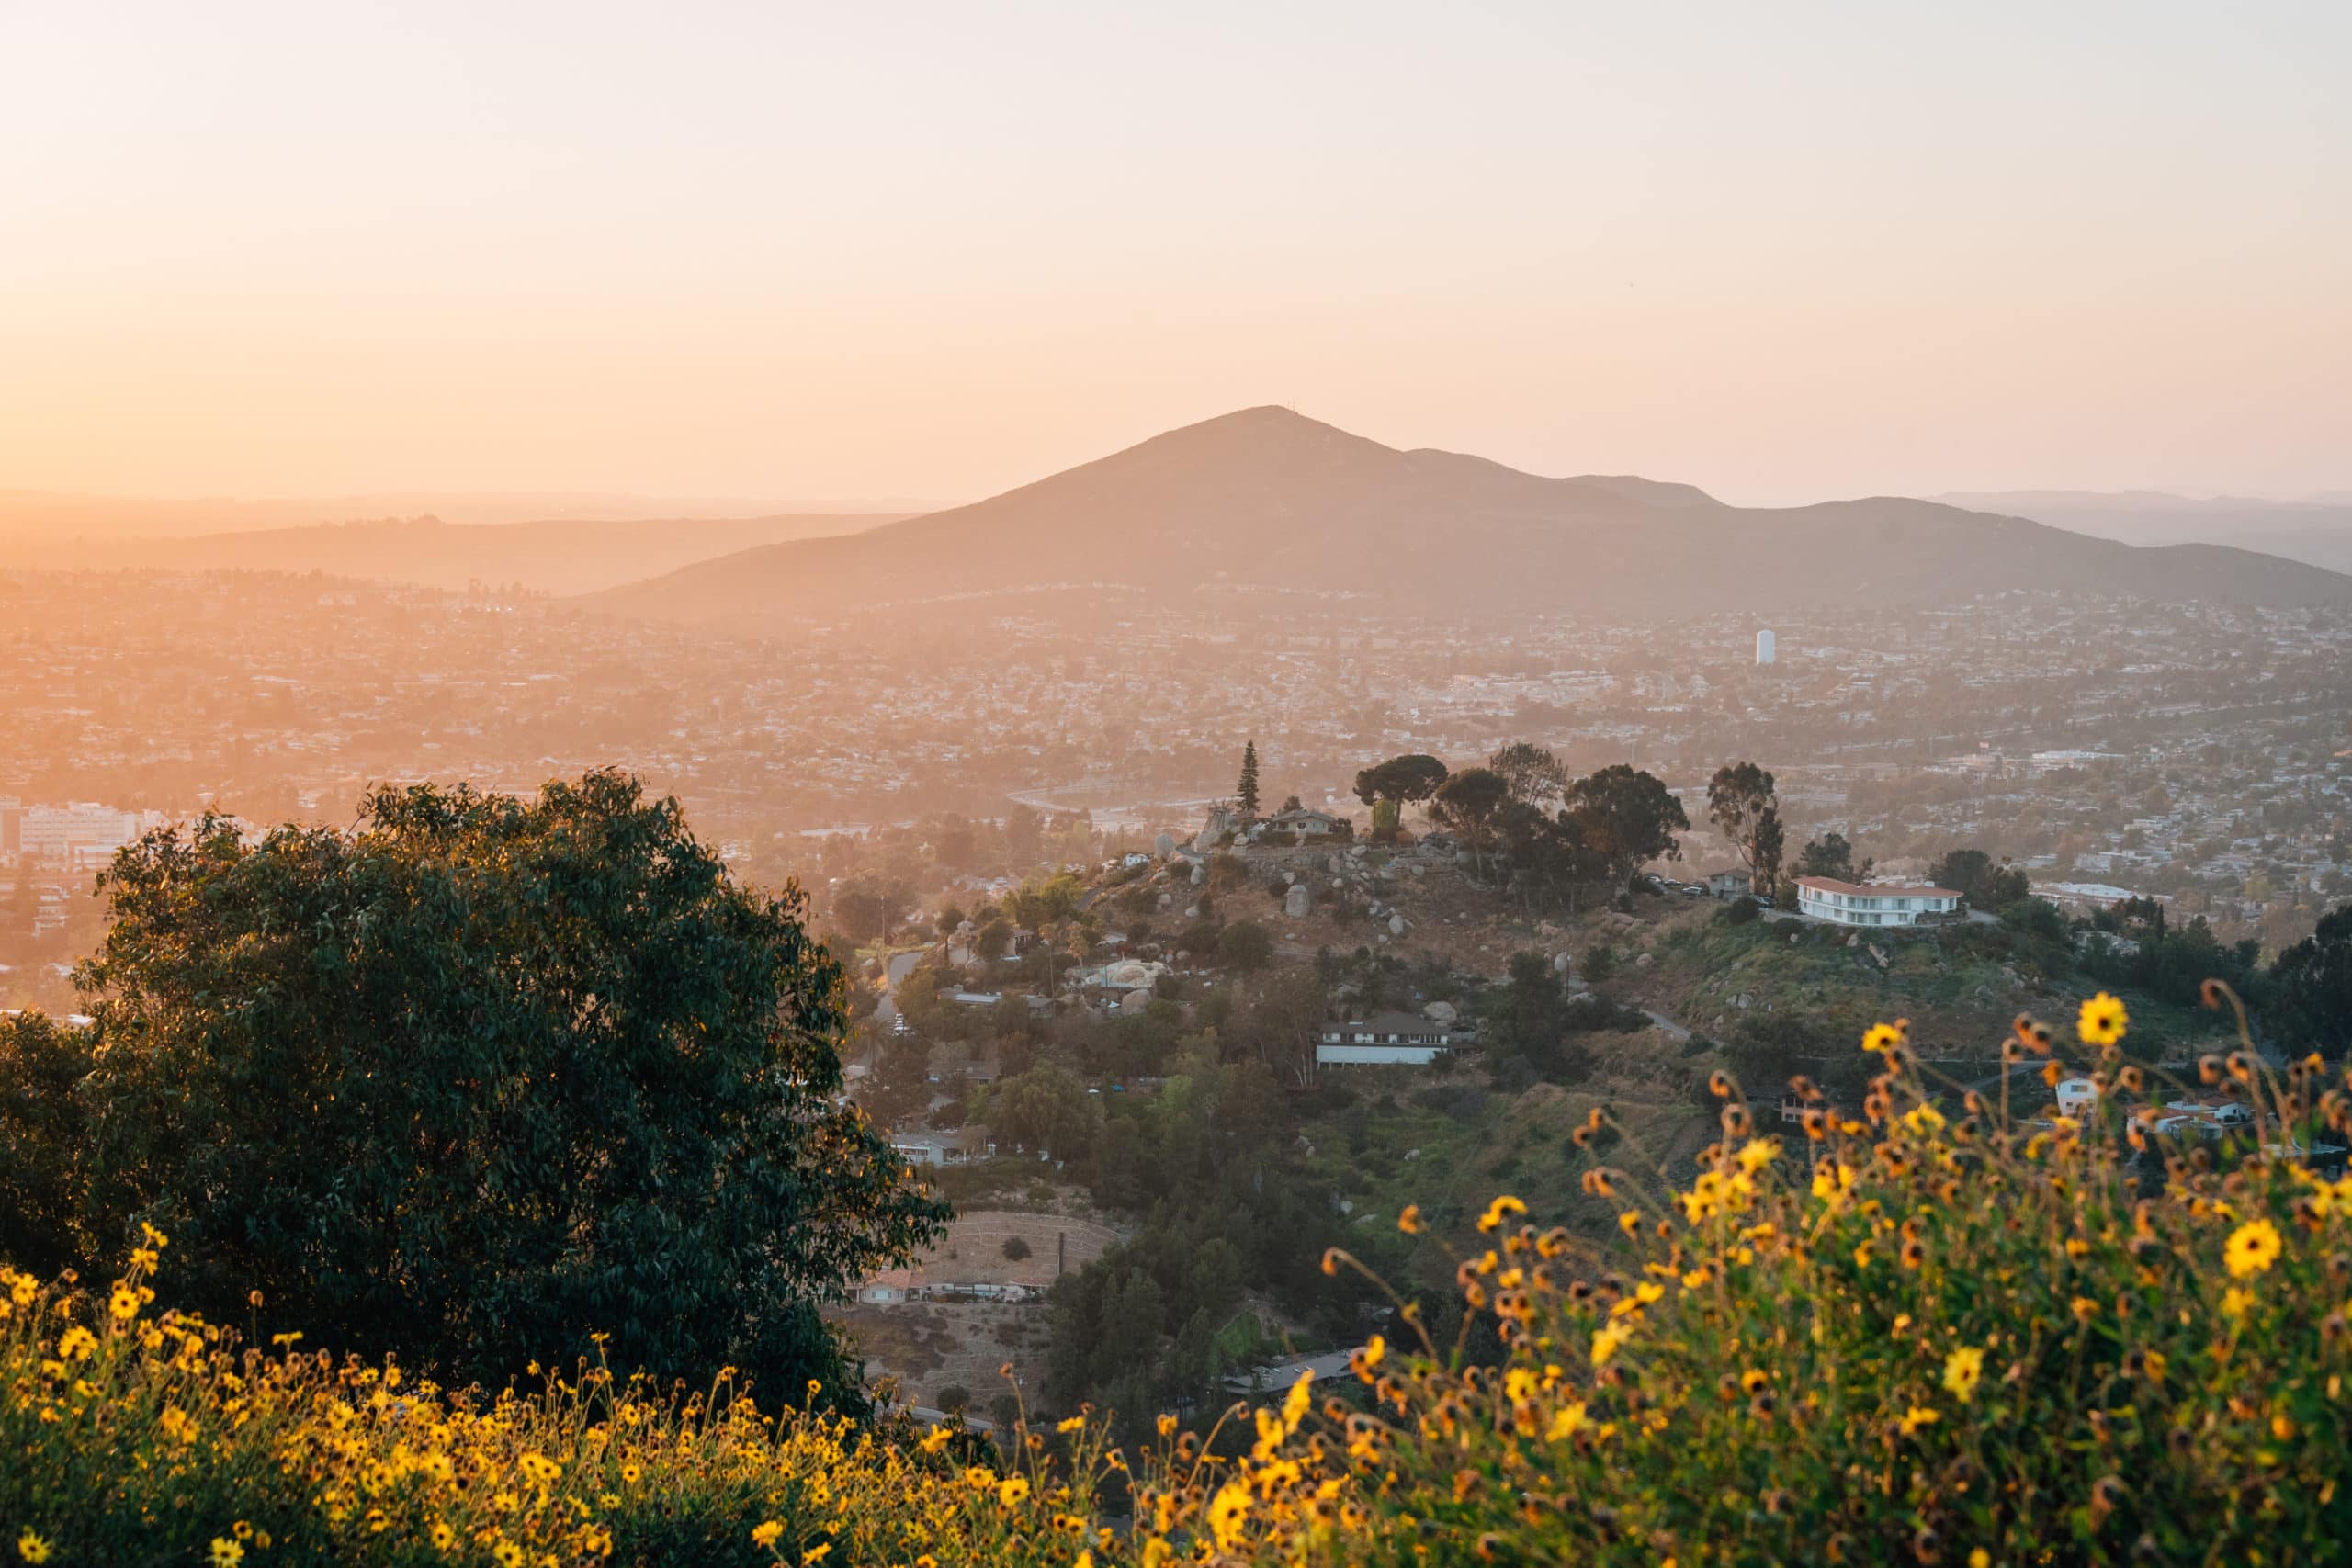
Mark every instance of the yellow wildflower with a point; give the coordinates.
(1229, 1512)
(31, 1547)
(1605, 1341)
(1011, 1491)
(1409, 1221)
(1886, 1036)
(1497, 1211)
(226, 1554)
(2102, 1021)
(767, 1533)
(2253, 1249)
(1963, 1368)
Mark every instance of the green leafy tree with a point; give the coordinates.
(1770, 843)
(1045, 1108)
(1975, 876)
(481, 1077)
(1245, 793)
(2312, 995)
(1532, 774)
(1627, 818)
(44, 1135)
(1468, 806)
(870, 905)
(1831, 856)
(1389, 787)
(1743, 807)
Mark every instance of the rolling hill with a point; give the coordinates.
(2317, 530)
(1265, 498)
(558, 556)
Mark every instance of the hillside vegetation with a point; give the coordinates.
(1897, 1338)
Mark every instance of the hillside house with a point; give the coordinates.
(1388, 1039)
(1302, 822)
(1873, 904)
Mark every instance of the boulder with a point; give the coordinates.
(1164, 845)
(1297, 901)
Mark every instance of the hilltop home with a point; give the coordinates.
(1388, 1039)
(1301, 822)
(1872, 903)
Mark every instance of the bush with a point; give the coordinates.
(1244, 945)
(1599, 962)
(167, 1439)
(480, 1079)
(1015, 1249)
(1741, 911)
(954, 1399)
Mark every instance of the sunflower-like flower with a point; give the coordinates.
(2253, 1248)
(2102, 1021)
(1884, 1037)
(1963, 1368)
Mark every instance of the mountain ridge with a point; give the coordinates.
(1266, 497)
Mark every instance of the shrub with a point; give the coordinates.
(154, 1437)
(1015, 1249)
(1244, 945)
(1918, 1337)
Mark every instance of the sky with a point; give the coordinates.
(1784, 252)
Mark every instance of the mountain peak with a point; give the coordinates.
(1273, 500)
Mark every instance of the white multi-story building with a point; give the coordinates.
(1765, 651)
(1871, 903)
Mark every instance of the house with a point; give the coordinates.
(957, 1145)
(1303, 822)
(1872, 903)
(1730, 884)
(2076, 1097)
(1388, 1039)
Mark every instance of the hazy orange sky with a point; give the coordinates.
(1781, 251)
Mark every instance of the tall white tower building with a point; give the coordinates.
(1765, 653)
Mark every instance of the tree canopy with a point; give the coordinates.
(1976, 876)
(1743, 808)
(1414, 776)
(1831, 856)
(2312, 982)
(1628, 818)
(481, 1077)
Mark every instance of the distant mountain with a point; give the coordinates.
(1268, 498)
(2316, 529)
(561, 556)
(47, 516)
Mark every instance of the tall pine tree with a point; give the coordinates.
(1246, 791)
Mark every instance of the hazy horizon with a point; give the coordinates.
(1779, 255)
